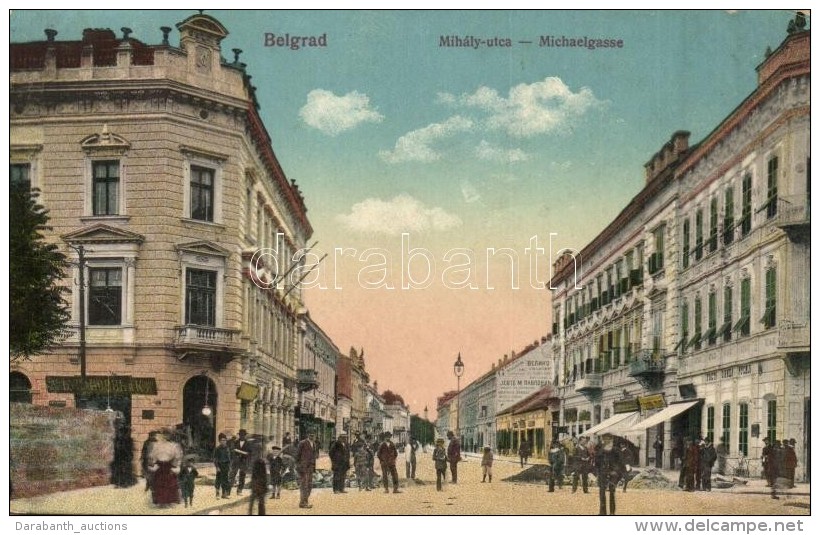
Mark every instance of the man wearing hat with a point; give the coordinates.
(609, 470)
(239, 464)
(306, 453)
(222, 463)
(387, 455)
(453, 455)
(770, 468)
(789, 460)
(339, 462)
(440, 461)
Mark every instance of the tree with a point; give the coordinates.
(37, 306)
(390, 398)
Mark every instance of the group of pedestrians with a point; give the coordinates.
(779, 461)
(697, 461)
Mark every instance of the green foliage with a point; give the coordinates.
(37, 307)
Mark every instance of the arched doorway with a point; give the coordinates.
(19, 388)
(198, 399)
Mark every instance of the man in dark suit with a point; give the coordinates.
(239, 461)
(339, 462)
(453, 455)
(609, 471)
(387, 458)
(305, 466)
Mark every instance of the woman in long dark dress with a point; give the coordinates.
(164, 462)
(122, 469)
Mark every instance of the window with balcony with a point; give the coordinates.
(200, 297)
(743, 324)
(713, 225)
(105, 296)
(729, 216)
(746, 207)
(699, 234)
(684, 327)
(726, 328)
(711, 331)
(743, 429)
(696, 338)
(685, 240)
(769, 318)
(105, 187)
(771, 192)
(655, 263)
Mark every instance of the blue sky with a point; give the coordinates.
(386, 131)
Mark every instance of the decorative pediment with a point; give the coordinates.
(202, 23)
(102, 233)
(105, 142)
(203, 247)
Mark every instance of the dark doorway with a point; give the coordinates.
(199, 397)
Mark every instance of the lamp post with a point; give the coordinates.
(458, 369)
(426, 423)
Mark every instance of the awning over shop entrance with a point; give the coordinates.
(615, 425)
(666, 414)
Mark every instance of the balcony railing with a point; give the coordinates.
(589, 383)
(793, 210)
(202, 335)
(647, 365)
(793, 335)
(307, 379)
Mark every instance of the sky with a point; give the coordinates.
(426, 168)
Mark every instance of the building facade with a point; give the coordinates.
(162, 188)
(691, 309)
(316, 381)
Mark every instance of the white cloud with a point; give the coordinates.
(542, 107)
(333, 115)
(469, 192)
(402, 213)
(416, 145)
(487, 151)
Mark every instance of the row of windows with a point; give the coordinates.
(742, 326)
(106, 188)
(616, 280)
(106, 296)
(743, 428)
(703, 243)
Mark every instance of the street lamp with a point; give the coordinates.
(426, 423)
(458, 369)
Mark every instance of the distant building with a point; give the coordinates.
(316, 381)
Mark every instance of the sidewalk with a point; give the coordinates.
(110, 500)
(752, 486)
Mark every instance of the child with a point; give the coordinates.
(187, 477)
(277, 468)
(440, 459)
(487, 464)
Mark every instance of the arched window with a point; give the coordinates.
(19, 388)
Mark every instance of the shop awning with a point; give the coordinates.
(615, 424)
(669, 412)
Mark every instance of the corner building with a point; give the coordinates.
(691, 311)
(155, 164)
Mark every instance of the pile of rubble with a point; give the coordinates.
(651, 478)
(537, 473)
